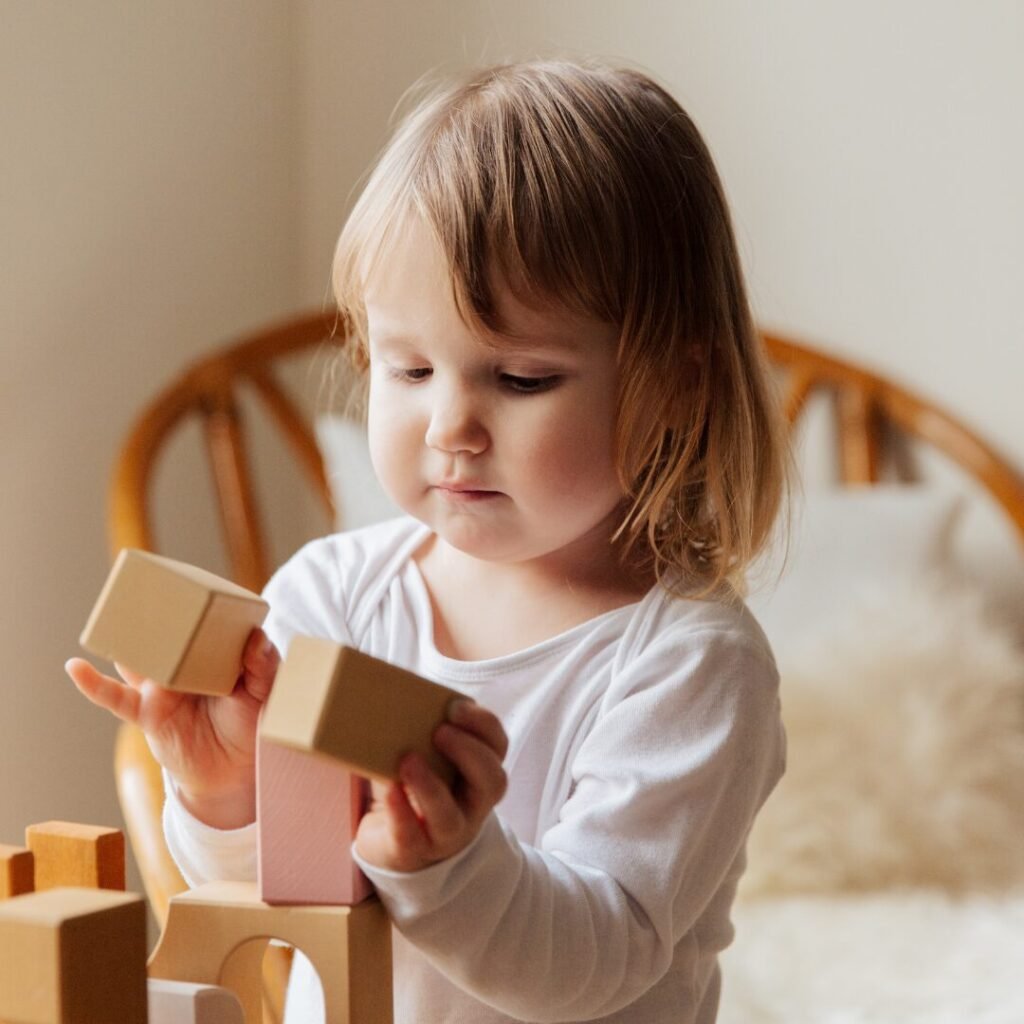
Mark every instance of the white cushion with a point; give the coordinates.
(359, 498)
(843, 540)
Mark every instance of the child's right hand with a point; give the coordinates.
(208, 744)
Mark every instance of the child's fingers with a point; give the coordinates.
(117, 698)
(442, 816)
(260, 661)
(392, 834)
(133, 679)
(403, 822)
(484, 724)
(483, 777)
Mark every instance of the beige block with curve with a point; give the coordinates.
(217, 934)
(364, 712)
(72, 956)
(172, 622)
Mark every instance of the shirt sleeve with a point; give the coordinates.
(202, 853)
(686, 747)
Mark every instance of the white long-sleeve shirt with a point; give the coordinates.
(641, 745)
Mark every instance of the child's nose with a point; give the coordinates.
(455, 425)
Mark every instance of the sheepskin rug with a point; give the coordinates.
(886, 958)
(905, 724)
(886, 873)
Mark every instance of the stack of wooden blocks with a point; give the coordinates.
(72, 947)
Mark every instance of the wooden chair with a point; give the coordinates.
(867, 408)
(210, 390)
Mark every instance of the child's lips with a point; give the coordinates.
(462, 492)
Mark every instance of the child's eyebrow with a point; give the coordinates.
(518, 344)
(532, 344)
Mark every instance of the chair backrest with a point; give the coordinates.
(211, 390)
(870, 410)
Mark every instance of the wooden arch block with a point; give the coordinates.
(77, 855)
(17, 871)
(179, 625)
(182, 1002)
(366, 713)
(350, 947)
(73, 956)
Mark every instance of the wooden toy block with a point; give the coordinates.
(308, 809)
(79, 855)
(182, 1002)
(179, 625)
(209, 937)
(364, 712)
(73, 956)
(17, 871)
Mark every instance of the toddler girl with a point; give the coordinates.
(566, 396)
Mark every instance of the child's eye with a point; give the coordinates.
(530, 385)
(414, 374)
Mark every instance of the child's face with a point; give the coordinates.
(505, 451)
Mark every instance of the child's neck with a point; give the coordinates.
(484, 609)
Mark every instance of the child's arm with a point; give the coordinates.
(635, 877)
(207, 744)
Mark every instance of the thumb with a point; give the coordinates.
(260, 662)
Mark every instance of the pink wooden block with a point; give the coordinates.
(308, 809)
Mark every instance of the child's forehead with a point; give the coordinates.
(520, 327)
(412, 285)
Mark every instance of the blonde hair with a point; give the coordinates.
(589, 187)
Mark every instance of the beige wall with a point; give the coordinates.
(872, 153)
(175, 172)
(147, 207)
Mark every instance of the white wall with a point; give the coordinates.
(873, 154)
(147, 209)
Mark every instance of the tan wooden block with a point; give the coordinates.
(174, 623)
(73, 956)
(183, 1002)
(17, 871)
(364, 712)
(209, 938)
(66, 854)
(308, 809)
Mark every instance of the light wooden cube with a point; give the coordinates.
(364, 712)
(69, 854)
(71, 956)
(179, 625)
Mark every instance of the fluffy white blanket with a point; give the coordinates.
(905, 785)
(888, 958)
(905, 718)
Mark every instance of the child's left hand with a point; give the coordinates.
(419, 821)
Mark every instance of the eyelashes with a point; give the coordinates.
(512, 382)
